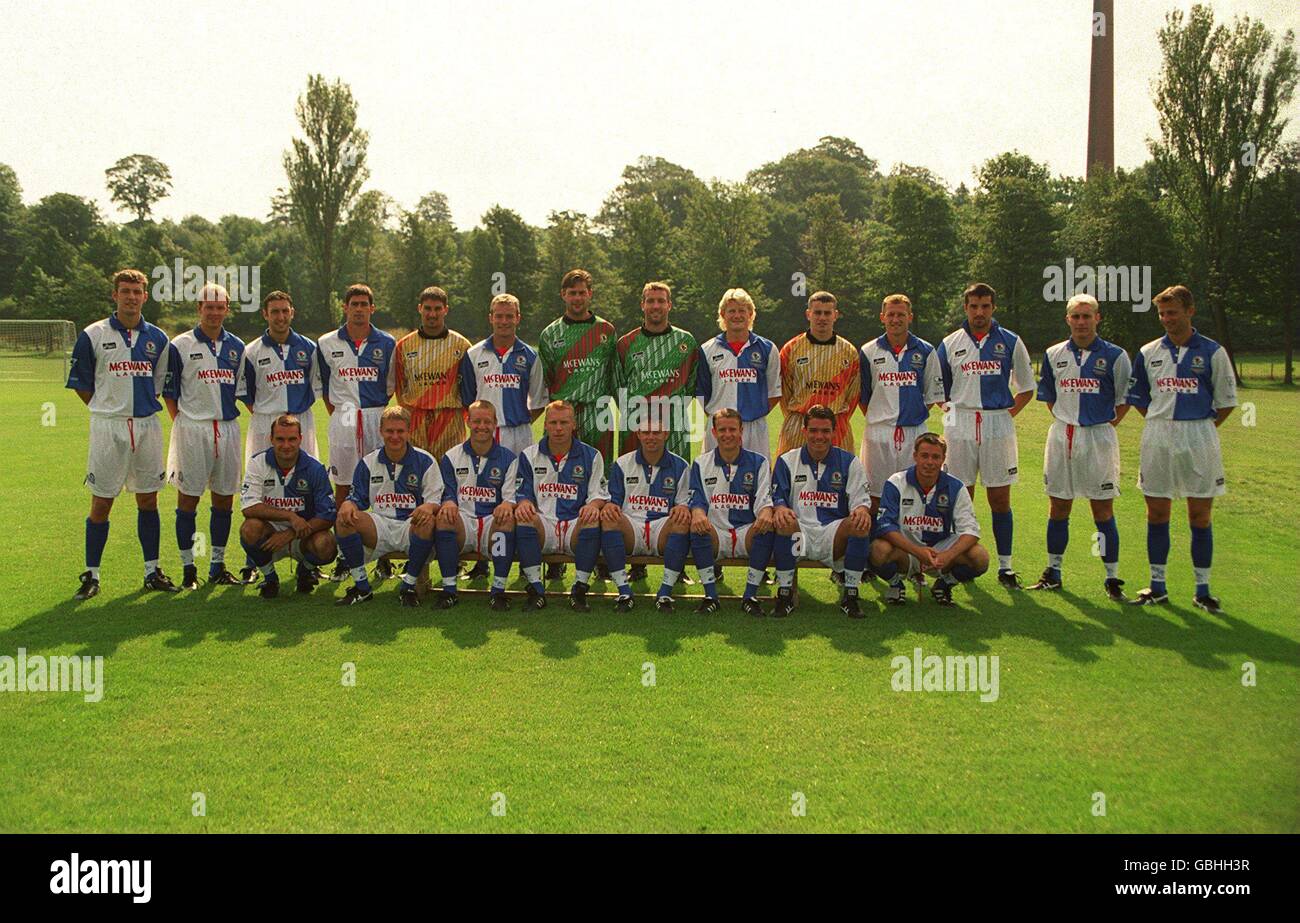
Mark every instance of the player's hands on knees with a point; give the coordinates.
(763, 521)
(609, 514)
(525, 512)
(348, 514)
(680, 515)
(299, 525)
(503, 511)
(700, 524)
(590, 514)
(277, 540)
(860, 520)
(423, 516)
(784, 518)
(447, 514)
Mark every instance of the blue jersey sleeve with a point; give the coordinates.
(945, 370)
(699, 500)
(81, 377)
(324, 369)
(246, 390)
(524, 483)
(1047, 382)
(360, 491)
(866, 377)
(887, 515)
(1139, 386)
(322, 495)
(617, 489)
(172, 384)
(469, 383)
(703, 377)
(449, 482)
(781, 484)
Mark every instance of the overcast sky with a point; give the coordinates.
(539, 105)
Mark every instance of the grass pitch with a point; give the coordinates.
(558, 721)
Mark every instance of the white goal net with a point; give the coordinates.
(35, 350)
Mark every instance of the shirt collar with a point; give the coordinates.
(204, 338)
(446, 331)
(346, 337)
(1193, 340)
(807, 458)
(812, 339)
(118, 325)
(993, 328)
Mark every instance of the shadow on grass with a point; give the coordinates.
(985, 615)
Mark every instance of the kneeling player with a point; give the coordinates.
(478, 506)
(401, 488)
(731, 513)
(288, 508)
(646, 508)
(561, 490)
(820, 493)
(927, 525)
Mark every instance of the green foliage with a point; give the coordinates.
(137, 182)
(326, 169)
(718, 251)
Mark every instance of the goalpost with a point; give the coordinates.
(35, 350)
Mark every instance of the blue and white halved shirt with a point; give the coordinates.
(925, 517)
(820, 492)
(124, 369)
(1190, 382)
(731, 494)
(1084, 385)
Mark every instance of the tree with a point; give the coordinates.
(667, 183)
(570, 241)
(1220, 100)
(828, 250)
(1014, 236)
(836, 166)
(136, 182)
(483, 258)
(640, 250)
(724, 223)
(1117, 222)
(326, 170)
(916, 251)
(11, 217)
(73, 218)
(519, 259)
(1271, 265)
(424, 253)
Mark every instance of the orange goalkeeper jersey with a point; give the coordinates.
(429, 370)
(818, 372)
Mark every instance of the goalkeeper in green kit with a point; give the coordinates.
(655, 375)
(578, 358)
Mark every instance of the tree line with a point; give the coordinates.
(1215, 206)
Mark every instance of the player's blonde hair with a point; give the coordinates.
(481, 405)
(559, 404)
(504, 298)
(395, 412)
(898, 298)
(1082, 298)
(740, 296)
(213, 292)
(728, 413)
(1180, 293)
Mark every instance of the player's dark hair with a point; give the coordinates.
(979, 290)
(930, 439)
(356, 288)
(129, 275)
(822, 297)
(276, 295)
(728, 413)
(287, 419)
(818, 412)
(434, 293)
(574, 276)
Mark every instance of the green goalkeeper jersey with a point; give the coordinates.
(578, 359)
(657, 365)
